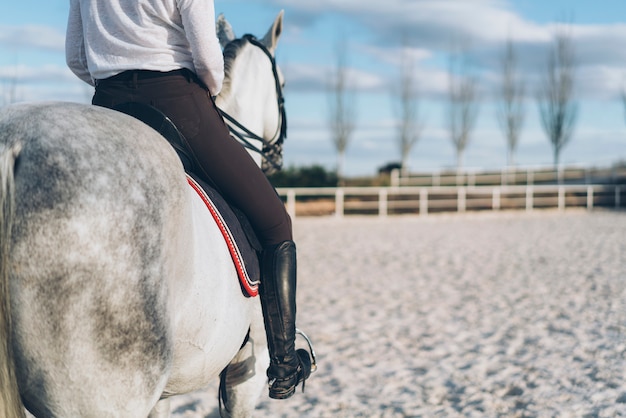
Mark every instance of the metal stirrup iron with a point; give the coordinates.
(308, 341)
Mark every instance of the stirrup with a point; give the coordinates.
(311, 350)
(307, 364)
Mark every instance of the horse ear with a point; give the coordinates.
(270, 40)
(224, 30)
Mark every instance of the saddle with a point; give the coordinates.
(241, 240)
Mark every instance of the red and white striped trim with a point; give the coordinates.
(250, 287)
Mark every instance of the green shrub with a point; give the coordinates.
(311, 176)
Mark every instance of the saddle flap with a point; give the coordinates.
(241, 249)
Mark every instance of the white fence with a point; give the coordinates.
(384, 201)
(510, 176)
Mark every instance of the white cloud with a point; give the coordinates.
(434, 26)
(46, 82)
(395, 56)
(601, 82)
(429, 22)
(305, 77)
(32, 36)
(21, 74)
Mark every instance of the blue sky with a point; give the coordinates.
(32, 67)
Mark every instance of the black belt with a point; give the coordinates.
(137, 75)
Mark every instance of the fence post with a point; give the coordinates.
(423, 201)
(589, 197)
(460, 204)
(291, 203)
(382, 202)
(495, 198)
(471, 179)
(339, 203)
(436, 179)
(561, 198)
(529, 198)
(395, 177)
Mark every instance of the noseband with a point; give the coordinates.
(272, 150)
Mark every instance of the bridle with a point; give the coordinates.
(272, 150)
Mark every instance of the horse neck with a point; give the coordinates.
(250, 94)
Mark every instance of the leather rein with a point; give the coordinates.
(271, 151)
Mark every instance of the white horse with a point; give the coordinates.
(117, 290)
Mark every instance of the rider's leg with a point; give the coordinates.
(231, 169)
(288, 367)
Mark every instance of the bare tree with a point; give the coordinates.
(463, 104)
(406, 100)
(512, 92)
(623, 96)
(341, 107)
(557, 108)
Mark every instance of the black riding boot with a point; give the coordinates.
(288, 367)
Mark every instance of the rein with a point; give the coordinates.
(272, 150)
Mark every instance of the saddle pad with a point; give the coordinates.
(241, 250)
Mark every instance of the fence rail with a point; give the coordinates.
(384, 201)
(511, 176)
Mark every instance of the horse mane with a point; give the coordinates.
(231, 50)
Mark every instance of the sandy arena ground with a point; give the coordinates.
(477, 315)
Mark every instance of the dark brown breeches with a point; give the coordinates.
(223, 160)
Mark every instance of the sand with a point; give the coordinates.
(477, 315)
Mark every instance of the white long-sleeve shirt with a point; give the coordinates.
(107, 37)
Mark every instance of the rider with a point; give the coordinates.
(165, 53)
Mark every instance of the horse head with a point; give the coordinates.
(251, 99)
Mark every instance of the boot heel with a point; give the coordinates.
(285, 388)
(282, 393)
